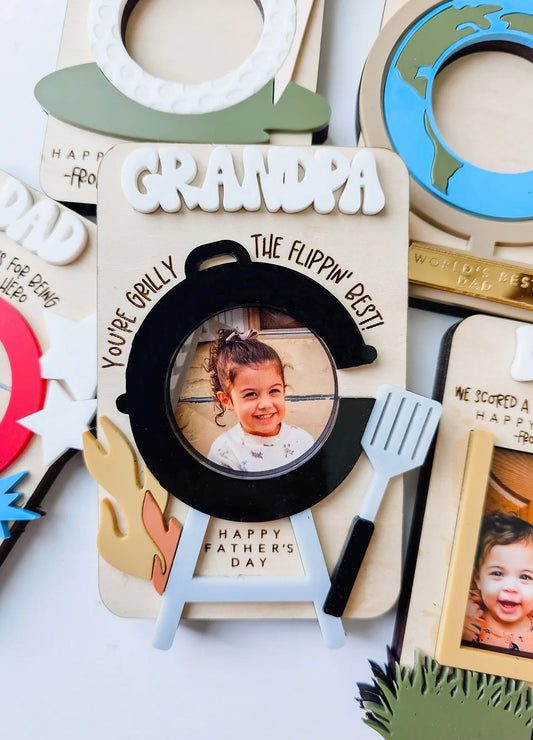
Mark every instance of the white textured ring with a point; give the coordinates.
(105, 18)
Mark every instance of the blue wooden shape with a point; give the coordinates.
(184, 587)
(445, 31)
(9, 511)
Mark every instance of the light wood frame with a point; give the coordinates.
(449, 649)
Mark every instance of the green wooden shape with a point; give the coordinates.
(439, 702)
(519, 22)
(82, 96)
(444, 164)
(436, 35)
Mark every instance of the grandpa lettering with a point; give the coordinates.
(290, 179)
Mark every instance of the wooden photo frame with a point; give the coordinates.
(480, 495)
(432, 59)
(174, 44)
(48, 346)
(186, 264)
(486, 414)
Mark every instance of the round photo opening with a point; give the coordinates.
(253, 391)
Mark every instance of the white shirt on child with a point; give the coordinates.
(250, 453)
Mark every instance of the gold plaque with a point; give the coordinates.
(473, 276)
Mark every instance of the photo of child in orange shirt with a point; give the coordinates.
(500, 604)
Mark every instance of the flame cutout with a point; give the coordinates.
(128, 548)
(166, 537)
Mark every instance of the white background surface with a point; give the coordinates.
(70, 668)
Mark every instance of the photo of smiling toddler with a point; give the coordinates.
(247, 377)
(500, 605)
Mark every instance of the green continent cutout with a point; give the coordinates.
(519, 22)
(82, 96)
(445, 165)
(437, 34)
(438, 702)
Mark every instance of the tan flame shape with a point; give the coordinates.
(126, 546)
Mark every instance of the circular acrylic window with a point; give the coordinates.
(253, 392)
(192, 41)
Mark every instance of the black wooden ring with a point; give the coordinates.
(214, 490)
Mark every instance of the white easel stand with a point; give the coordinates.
(183, 587)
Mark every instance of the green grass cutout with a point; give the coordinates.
(434, 702)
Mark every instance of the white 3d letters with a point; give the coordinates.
(58, 236)
(290, 180)
(362, 186)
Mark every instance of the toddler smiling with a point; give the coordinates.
(500, 607)
(247, 377)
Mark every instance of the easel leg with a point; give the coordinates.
(173, 599)
(317, 573)
(315, 583)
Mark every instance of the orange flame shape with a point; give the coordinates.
(165, 537)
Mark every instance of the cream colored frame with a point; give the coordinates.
(449, 650)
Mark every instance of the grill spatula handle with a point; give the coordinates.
(356, 545)
(348, 566)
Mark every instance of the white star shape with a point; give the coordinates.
(60, 423)
(72, 354)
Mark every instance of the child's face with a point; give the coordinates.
(258, 398)
(505, 580)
